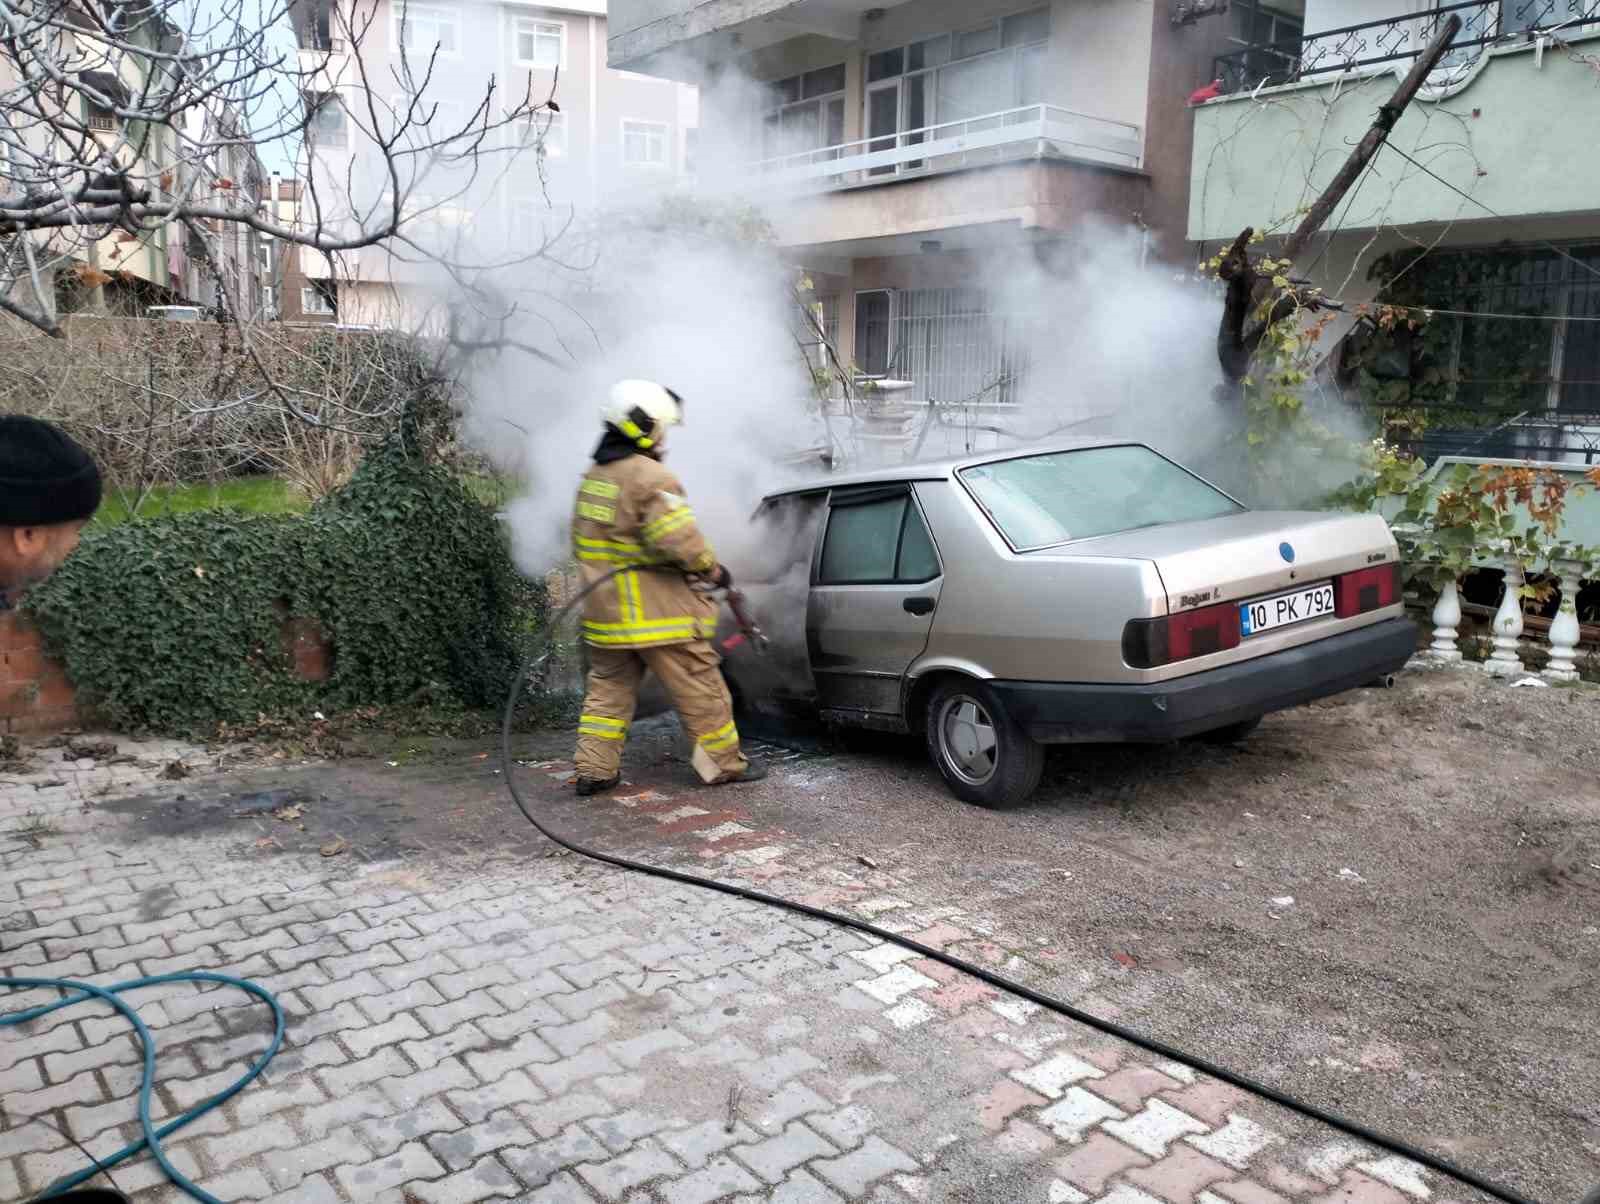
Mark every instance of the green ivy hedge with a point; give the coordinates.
(176, 624)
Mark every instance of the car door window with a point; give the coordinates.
(918, 560)
(877, 542)
(862, 541)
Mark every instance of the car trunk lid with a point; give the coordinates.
(1247, 555)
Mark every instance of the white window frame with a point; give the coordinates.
(661, 134)
(532, 25)
(318, 139)
(437, 118)
(314, 301)
(821, 102)
(556, 132)
(932, 116)
(522, 133)
(418, 14)
(101, 121)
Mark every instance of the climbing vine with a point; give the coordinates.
(177, 624)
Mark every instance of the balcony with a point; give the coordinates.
(1280, 136)
(1375, 44)
(1032, 132)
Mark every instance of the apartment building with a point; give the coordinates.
(902, 151)
(616, 133)
(224, 267)
(1484, 212)
(114, 271)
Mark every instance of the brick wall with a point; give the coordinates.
(35, 695)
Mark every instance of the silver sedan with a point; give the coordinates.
(1087, 591)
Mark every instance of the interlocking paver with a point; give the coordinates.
(475, 1103)
(1236, 1143)
(287, 1167)
(382, 1007)
(386, 1134)
(720, 1177)
(527, 1033)
(622, 1130)
(874, 1159)
(484, 1180)
(370, 1181)
(1155, 1127)
(775, 1157)
(643, 1162)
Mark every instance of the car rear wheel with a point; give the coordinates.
(985, 757)
(1231, 734)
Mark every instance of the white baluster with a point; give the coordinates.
(1446, 622)
(1503, 661)
(1564, 627)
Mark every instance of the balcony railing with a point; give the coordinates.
(995, 137)
(1373, 43)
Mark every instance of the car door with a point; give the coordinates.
(874, 588)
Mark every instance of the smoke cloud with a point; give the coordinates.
(677, 286)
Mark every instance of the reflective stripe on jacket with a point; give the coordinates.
(632, 514)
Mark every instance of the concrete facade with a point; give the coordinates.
(1491, 136)
(1012, 125)
(1499, 195)
(609, 133)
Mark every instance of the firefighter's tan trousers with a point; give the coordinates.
(691, 675)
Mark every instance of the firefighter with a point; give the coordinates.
(658, 614)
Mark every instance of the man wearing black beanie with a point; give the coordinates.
(49, 488)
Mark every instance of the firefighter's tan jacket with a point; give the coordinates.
(631, 513)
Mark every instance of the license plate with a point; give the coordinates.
(1267, 614)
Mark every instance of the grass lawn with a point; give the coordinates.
(255, 495)
(260, 495)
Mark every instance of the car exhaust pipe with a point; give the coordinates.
(1386, 682)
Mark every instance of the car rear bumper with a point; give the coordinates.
(1070, 713)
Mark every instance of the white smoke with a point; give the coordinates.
(708, 316)
(673, 286)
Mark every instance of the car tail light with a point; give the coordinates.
(1367, 589)
(1148, 643)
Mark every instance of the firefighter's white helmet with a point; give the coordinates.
(638, 407)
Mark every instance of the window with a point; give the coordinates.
(1500, 364)
(1273, 37)
(102, 119)
(424, 27)
(644, 143)
(953, 78)
(325, 119)
(540, 44)
(1518, 16)
(804, 113)
(1037, 501)
(878, 540)
(552, 128)
(318, 298)
(872, 333)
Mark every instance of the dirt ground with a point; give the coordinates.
(1388, 903)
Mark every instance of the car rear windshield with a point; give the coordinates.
(1037, 501)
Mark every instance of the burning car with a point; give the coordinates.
(1077, 592)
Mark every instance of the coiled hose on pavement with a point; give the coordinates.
(541, 650)
(81, 992)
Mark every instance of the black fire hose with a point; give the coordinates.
(1393, 1145)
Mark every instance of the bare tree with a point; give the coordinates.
(123, 123)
